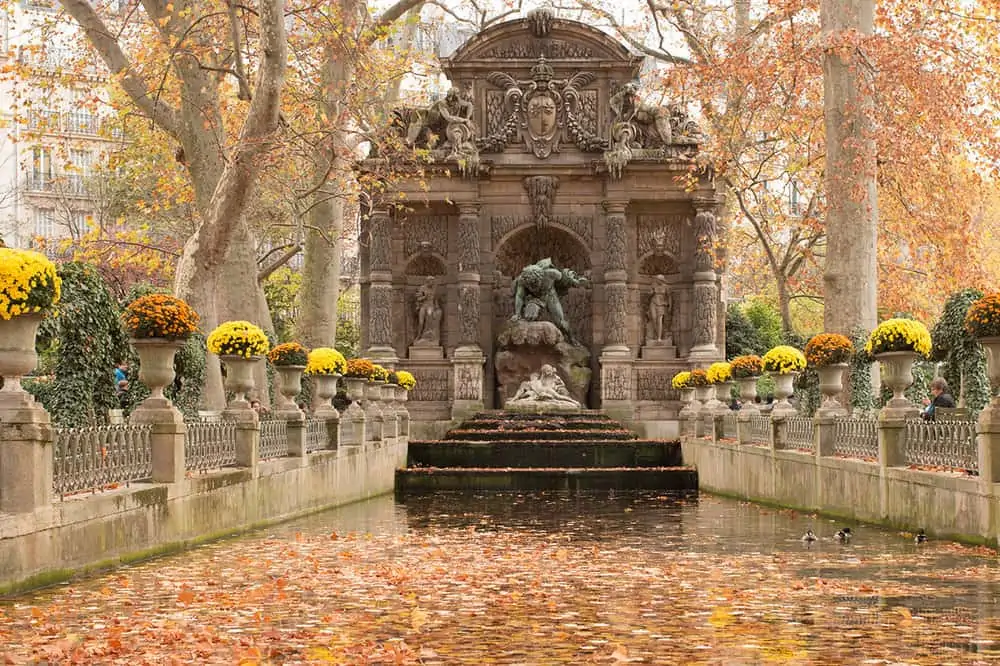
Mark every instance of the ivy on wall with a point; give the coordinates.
(859, 378)
(964, 361)
(81, 345)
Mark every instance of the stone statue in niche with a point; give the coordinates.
(537, 290)
(660, 312)
(428, 315)
(543, 391)
(651, 123)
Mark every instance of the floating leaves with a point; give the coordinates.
(529, 579)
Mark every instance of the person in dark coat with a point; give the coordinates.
(939, 389)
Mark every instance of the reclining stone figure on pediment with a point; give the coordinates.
(451, 118)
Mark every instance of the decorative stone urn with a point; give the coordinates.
(356, 388)
(703, 395)
(748, 394)
(239, 378)
(831, 384)
(156, 364)
(897, 374)
(17, 350)
(723, 393)
(326, 389)
(992, 347)
(712, 402)
(784, 387)
(690, 405)
(289, 384)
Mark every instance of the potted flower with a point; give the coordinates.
(158, 325)
(406, 383)
(982, 321)
(682, 383)
(746, 370)
(702, 390)
(289, 360)
(326, 365)
(783, 363)
(829, 353)
(29, 288)
(406, 380)
(238, 344)
(896, 344)
(720, 375)
(359, 371)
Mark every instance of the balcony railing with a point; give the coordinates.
(74, 122)
(70, 184)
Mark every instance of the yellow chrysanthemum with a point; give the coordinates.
(899, 335)
(405, 379)
(719, 372)
(238, 338)
(681, 380)
(784, 359)
(326, 361)
(28, 283)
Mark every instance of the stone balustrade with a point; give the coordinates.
(890, 469)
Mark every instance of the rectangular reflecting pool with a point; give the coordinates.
(530, 579)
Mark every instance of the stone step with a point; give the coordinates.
(548, 454)
(540, 435)
(548, 426)
(429, 479)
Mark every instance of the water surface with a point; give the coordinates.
(531, 579)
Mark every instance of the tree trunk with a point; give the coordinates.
(784, 303)
(316, 325)
(851, 272)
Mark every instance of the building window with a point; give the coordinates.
(81, 160)
(45, 222)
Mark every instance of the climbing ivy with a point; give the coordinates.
(860, 374)
(83, 341)
(965, 362)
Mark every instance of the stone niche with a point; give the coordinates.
(544, 147)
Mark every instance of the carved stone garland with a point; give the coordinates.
(615, 276)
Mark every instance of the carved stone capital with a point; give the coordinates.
(469, 209)
(615, 207)
(616, 314)
(704, 316)
(380, 315)
(468, 314)
(380, 240)
(616, 243)
(468, 238)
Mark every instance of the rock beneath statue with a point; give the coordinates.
(526, 346)
(544, 391)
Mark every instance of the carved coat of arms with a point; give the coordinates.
(543, 109)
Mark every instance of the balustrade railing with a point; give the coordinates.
(760, 429)
(273, 439)
(941, 444)
(210, 445)
(855, 438)
(729, 425)
(100, 458)
(317, 435)
(799, 433)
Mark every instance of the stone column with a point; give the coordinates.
(380, 347)
(26, 440)
(705, 291)
(617, 391)
(247, 438)
(167, 438)
(468, 359)
(988, 438)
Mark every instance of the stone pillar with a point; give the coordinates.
(779, 430)
(824, 429)
(26, 440)
(617, 392)
(295, 431)
(167, 438)
(380, 347)
(247, 438)
(468, 359)
(705, 291)
(988, 439)
(892, 439)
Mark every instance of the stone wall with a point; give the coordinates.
(946, 505)
(105, 529)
